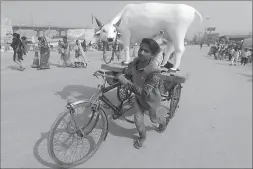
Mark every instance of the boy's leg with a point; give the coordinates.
(155, 119)
(139, 120)
(140, 126)
(162, 121)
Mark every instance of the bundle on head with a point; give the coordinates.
(23, 38)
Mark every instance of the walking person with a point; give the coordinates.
(36, 60)
(84, 46)
(235, 56)
(65, 53)
(17, 46)
(230, 53)
(44, 50)
(144, 73)
(201, 45)
(24, 46)
(80, 55)
(59, 47)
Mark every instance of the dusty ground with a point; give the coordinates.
(212, 127)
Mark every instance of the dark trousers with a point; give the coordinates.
(229, 56)
(244, 60)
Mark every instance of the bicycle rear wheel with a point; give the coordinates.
(66, 144)
(174, 99)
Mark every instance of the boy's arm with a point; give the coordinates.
(151, 82)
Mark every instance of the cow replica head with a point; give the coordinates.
(107, 32)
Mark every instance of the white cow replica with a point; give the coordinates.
(146, 20)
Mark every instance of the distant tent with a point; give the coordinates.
(247, 43)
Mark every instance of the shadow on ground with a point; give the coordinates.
(76, 92)
(248, 76)
(13, 67)
(40, 149)
(83, 92)
(40, 152)
(226, 64)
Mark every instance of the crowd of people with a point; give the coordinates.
(41, 58)
(231, 52)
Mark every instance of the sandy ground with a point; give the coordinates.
(212, 127)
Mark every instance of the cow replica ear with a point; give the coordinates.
(117, 24)
(99, 23)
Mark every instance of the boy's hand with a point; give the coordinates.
(122, 79)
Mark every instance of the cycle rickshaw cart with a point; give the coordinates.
(80, 126)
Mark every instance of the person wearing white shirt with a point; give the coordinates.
(235, 56)
(245, 55)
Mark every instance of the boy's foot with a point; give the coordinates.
(138, 142)
(22, 68)
(162, 127)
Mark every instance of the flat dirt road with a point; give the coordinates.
(212, 127)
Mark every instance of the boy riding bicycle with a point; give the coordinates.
(144, 73)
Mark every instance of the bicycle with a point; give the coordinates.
(80, 131)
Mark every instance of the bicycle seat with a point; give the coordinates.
(173, 78)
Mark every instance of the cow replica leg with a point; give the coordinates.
(104, 50)
(179, 51)
(168, 51)
(178, 41)
(126, 43)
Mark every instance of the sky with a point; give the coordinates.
(229, 17)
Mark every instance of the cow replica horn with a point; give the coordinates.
(99, 23)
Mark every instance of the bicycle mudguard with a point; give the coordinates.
(173, 78)
(74, 103)
(92, 123)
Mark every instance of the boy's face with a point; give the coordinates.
(144, 52)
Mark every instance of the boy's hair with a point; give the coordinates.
(153, 45)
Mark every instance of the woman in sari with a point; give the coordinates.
(44, 54)
(80, 56)
(25, 47)
(17, 46)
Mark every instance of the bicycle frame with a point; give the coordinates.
(117, 110)
(103, 98)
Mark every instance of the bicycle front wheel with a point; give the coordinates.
(73, 138)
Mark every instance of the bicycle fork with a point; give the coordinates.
(85, 130)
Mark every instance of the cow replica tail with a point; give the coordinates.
(200, 17)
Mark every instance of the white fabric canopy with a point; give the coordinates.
(247, 43)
